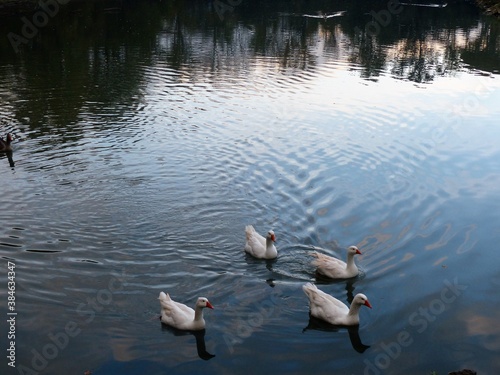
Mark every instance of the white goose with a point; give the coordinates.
(325, 307)
(180, 316)
(335, 268)
(258, 246)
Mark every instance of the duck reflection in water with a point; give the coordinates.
(5, 148)
(200, 340)
(321, 325)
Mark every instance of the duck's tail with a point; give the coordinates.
(164, 297)
(249, 230)
(318, 258)
(309, 289)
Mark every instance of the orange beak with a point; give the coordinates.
(209, 305)
(358, 252)
(367, 303)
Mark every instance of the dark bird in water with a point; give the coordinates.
(5, 144)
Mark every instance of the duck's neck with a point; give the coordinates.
(354, 312)
(198, 314)
(351, 266)
(269, 246)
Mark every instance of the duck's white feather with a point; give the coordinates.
(326, 307)
(180, 316)
(259, 246)
(335, 268)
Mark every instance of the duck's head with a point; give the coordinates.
(361, 299)
(203, 302)
(353, 250)
(271, 236)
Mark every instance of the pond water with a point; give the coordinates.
(148, 134)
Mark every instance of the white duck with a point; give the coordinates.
(180, 316)
(325, 307)
(335, 268)
(258, 246)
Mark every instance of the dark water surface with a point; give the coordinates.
(148, 134)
